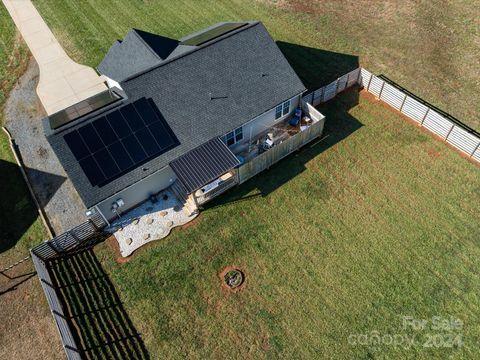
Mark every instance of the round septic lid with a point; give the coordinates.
(232, 278)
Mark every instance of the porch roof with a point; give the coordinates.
(204, 164)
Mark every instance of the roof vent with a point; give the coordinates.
(216, 97)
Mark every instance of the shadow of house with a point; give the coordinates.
(44, 184)
(316, 68)
(17, 207)
(100, 323)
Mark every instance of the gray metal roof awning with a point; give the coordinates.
(204, 164)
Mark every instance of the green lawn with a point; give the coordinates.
(343, 238)
(376, 222)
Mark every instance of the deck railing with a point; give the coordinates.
(220, 189)
(268, 158)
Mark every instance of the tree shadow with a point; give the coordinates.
(316, 68)
(17, 207)
(97, 317)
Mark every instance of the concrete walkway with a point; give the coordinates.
(63, 82)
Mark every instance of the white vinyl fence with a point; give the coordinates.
(331, 90)
(453, 131)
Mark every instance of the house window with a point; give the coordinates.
(286, 107)
(238, 134)
(234, 136)
(230, 140)
(278, 112)
(282, 109)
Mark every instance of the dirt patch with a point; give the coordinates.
(27, 329)
(189, 224)
(225, 272)
(112, 244)
(433, 153)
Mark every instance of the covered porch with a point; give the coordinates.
(205, 173)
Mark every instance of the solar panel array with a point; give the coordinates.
(213, 33)
(82, 108)
(120, 141)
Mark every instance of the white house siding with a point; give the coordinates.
(264, 122)
(138, 192)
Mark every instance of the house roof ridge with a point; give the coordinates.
(135, 31)
(250, 24)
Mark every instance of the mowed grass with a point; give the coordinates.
(430, 47)
(375, 222)
(344, 238)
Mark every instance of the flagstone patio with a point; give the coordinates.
(149, 221)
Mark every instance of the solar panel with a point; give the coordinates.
(103, 127)
(82, 108)
(212, 33)
(76, 145)
(120, 141)
(134, 148)
(133, 119)
(90, 138)
(118, 124)
(91, 169)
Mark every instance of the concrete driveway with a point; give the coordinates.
(63, 82)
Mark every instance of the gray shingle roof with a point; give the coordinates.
(202, 94)
(138, 51)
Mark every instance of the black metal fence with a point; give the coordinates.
(64, 328)
(80, 236)
(70, 240)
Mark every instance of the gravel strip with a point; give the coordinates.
(55, 192)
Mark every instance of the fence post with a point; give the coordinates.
(449, 131)
(346, 84)
(55, 312)
(47, 283)
(369, 82)
(322, 97)
(425, 116)
(476, 147)
(336, 88)
(403, 103)
(381, 89)
(75, 237)
(359, 75)
(50, 245)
